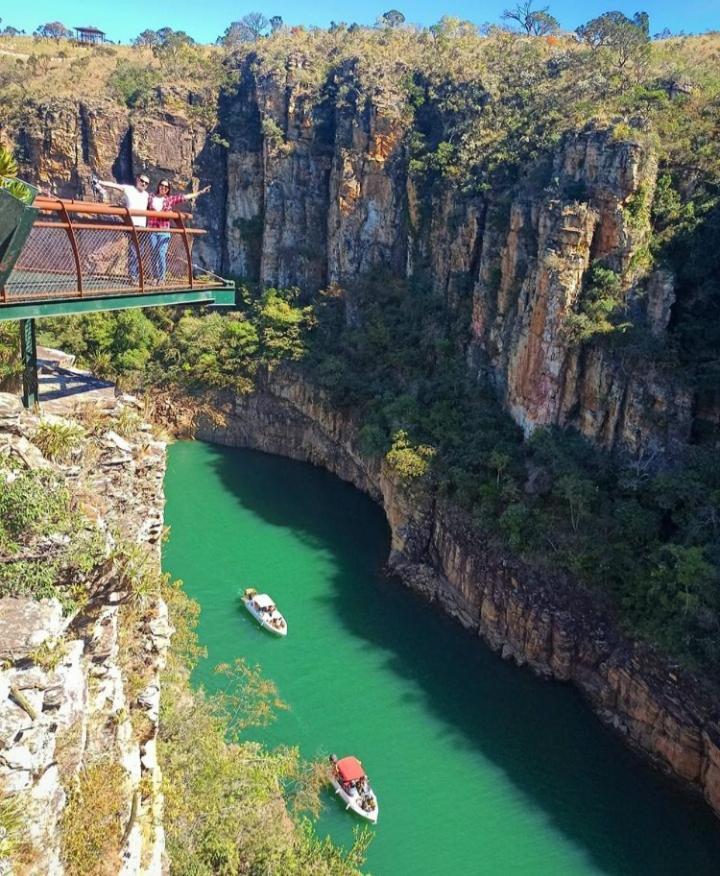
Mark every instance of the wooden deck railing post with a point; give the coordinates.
(73, 243)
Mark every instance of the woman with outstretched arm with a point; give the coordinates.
(161, 201)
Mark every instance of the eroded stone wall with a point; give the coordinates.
(74, 691)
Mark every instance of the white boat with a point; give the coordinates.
(352, 786)
(265, 612)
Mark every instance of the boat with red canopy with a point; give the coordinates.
(351, 784)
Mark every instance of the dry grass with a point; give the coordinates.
(382, 60)
(94, 820)
(65, 69)
(37, 70)
(69, 748)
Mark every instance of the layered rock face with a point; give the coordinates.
(319, 193)
(82, 689)
(531, 279)
(545, 622)
(61, 143)
(312, 190)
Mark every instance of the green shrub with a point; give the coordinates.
(12, 827)
(600, 302)
(272, 132)
(32, 502)
(8, 181)
(115, 344)
(49, 655)
(410, 462)
(637, 207)
(50, 548)
(133, 84)
(128, 422)
(58, 440)
(10, 361)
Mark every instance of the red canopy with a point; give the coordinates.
(350, 769)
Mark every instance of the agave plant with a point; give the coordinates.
(8, 178)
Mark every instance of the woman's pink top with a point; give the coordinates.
(160, 203)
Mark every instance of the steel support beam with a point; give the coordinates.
(28, 350)
(23, 311)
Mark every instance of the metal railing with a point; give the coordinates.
(80, 249)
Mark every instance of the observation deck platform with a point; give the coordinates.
(80, 257)
(63, 257)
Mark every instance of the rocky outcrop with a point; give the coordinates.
(541, 620)
(61, 143)
(319, 192)
(82, 688)
(531, 279)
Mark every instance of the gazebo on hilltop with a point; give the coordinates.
(89, 35)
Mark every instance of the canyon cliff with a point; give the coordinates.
(536, 618)
(317, 184)
(314, 191)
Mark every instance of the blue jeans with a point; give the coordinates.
(133, 266)
(159, 242)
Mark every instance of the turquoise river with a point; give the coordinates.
(480, 768)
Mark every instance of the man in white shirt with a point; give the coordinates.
(135, 197)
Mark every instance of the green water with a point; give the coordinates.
(480, 768)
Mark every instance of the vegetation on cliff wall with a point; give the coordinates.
(647, 539)
(47, 547)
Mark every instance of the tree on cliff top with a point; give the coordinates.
(535, 22)
(146, 40)
(392, 18)
(623, 38)
(165, 39)
(249, 29)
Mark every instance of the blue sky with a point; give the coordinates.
(205, 20)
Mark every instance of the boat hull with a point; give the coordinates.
(352, 802)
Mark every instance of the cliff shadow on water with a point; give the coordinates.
(627, 818)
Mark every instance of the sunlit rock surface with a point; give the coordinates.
(66, 697)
